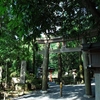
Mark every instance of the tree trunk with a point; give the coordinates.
(28, 61)
(33, 61)
(59, 65)
(45, 67)
(81, 69)
(33, 57)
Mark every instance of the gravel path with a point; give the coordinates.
(69, 92)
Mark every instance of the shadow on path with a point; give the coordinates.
(69, 92)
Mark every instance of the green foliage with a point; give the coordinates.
(30, 77)
(73, 17)
(25, 17)
(14, 74)
(69, 60)
(67, 79)
(22, 21)
(53, 61)
(33, 82)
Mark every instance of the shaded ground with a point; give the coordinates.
(69, 92)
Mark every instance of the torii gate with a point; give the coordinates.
(64, 49)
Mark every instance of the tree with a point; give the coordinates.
(72, 17)
(94, 8)
(21, 19)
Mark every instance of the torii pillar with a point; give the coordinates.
(88, 91)
(45, 67)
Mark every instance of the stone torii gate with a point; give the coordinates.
(46, 51)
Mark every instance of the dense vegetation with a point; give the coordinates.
(22, 21)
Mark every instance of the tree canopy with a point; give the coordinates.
(22, 21)
(65, 18)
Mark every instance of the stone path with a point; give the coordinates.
(69, 92)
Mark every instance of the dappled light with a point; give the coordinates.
(49, 49)
(69, 92)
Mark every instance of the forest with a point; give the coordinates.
(22, 22)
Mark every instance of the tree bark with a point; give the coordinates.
(59, 65)
(33, 43)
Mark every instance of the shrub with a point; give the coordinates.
(67, 79)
